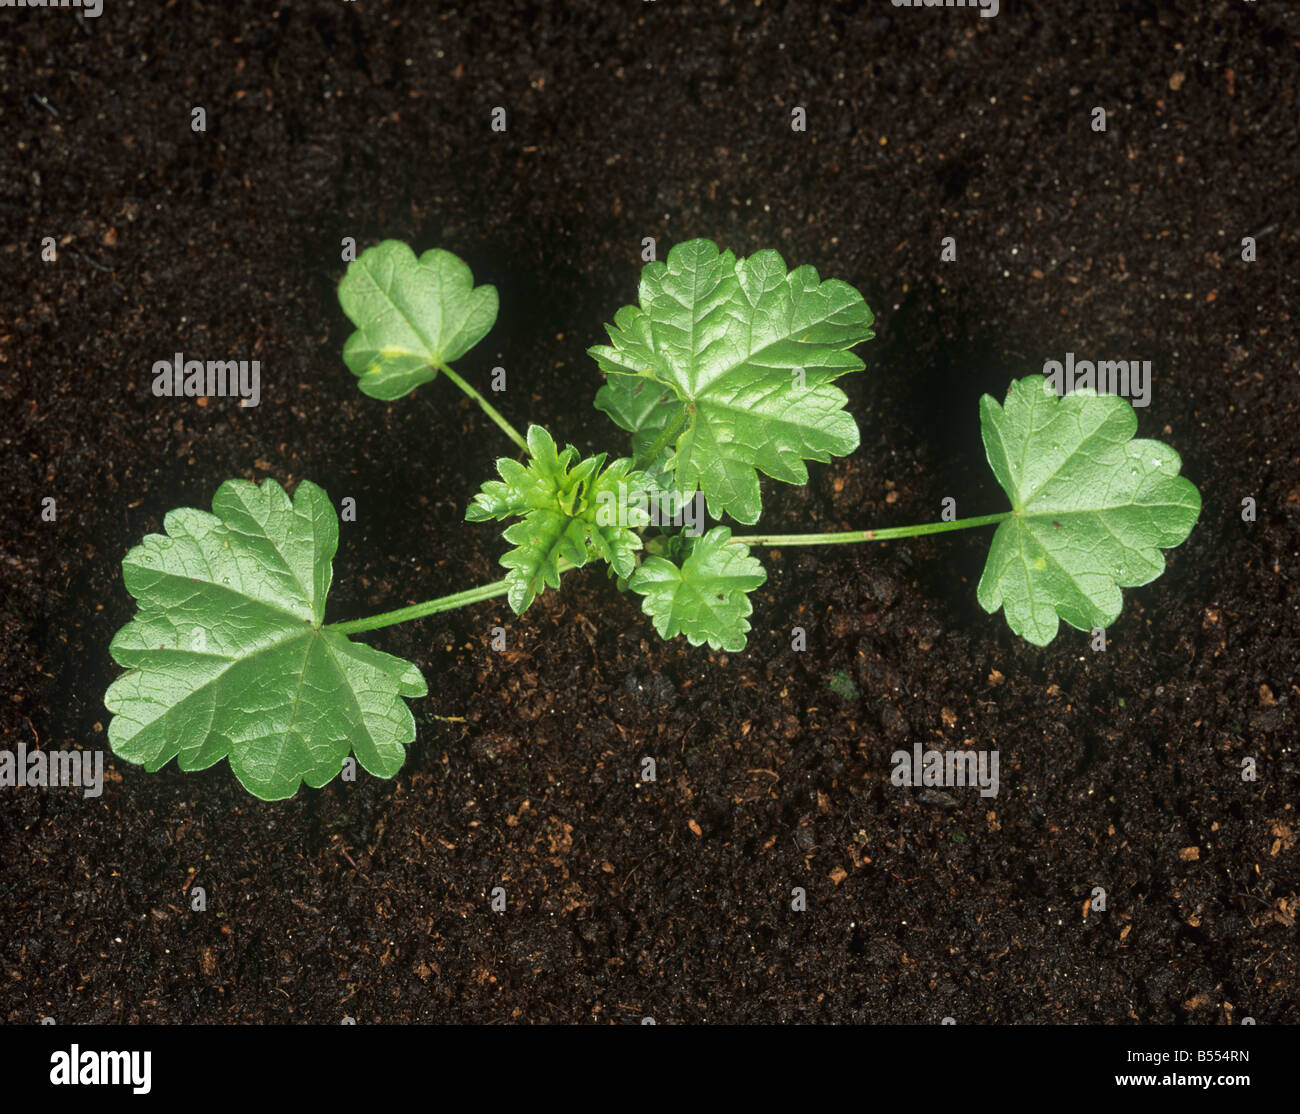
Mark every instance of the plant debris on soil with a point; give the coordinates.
(1126, 871)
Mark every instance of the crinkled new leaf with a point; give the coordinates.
(570, 510)
(706, 597)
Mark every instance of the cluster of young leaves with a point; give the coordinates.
(730, 364)
(568, 511)
(1091, 507)
(571, 511)
(413, 316)
(227, 656)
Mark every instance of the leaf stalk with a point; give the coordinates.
(501, 587)
(487, 407)
(429, 607)
(888, 533)
(665, 438)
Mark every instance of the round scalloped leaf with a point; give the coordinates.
(1092, 508)
(411, 315)
(228, 658)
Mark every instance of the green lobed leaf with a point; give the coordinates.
(748, 353)
(569, 510)
(228, 658)
(613, 541)
(1091, 507)
(640, 405)
(411, 315)
(707, 597)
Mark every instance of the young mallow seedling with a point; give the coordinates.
(725, 369)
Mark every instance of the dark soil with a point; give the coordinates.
(1120, 769)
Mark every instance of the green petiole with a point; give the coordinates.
(420, 610)
(487, 407)
(666, 438)
(500, 587)
(887, 534)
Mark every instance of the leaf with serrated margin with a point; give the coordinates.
(541, 540)
(707, 597)
(411, 315)
(1092, 507)
(572, 510)
(621, 501)
(228, 658)
(751, 352)
(640, 405)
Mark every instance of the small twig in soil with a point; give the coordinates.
(93, 262)
(43, 102)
